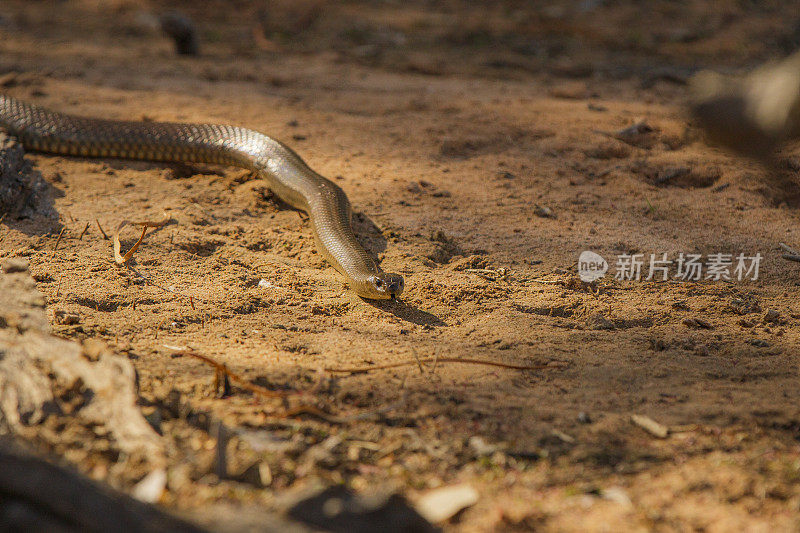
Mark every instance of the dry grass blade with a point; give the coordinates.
(437, 360)
(58, 240)
(85, 229)
(101, 229)
(305, 409)
(122, 259)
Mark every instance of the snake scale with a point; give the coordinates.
(288, 175)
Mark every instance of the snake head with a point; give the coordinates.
(384, 286)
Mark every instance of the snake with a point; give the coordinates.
(287, 175)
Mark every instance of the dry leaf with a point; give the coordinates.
(122, 259)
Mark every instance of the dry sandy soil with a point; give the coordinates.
(468, 137)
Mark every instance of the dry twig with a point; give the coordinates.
(237, 379)
(101, 229)
(124, 259)
(80, 237)
(60, 235)
(437, 360)
(791, 254)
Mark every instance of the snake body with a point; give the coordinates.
(289, 177)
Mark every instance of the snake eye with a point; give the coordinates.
(379, 283)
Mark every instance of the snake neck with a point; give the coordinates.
(287, 174)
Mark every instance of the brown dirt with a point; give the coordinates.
(446, 126)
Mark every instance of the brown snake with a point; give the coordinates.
(287, 174)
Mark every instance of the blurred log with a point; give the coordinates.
(753, 115)
(38, 496)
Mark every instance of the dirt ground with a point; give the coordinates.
(470, 138)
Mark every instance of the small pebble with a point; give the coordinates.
(441, 504)
(151, 487)
(67, 319)
(481, 447)
(599, 322)
(697, 323)
(759, 343)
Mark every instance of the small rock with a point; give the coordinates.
(599, 322)
(617, 495)
(584, 418)
(481, 447)
(339, 509)
(258, 474)
(440, 504)
(671, 173)
(155, 419)
(772, 316)
(697, 323)
(639, 134)
(745, 306)
(264, 474)
(461, 147)
(608, 150)
(15, 264)
(542, 211)
(151, 487)
(67, 319)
